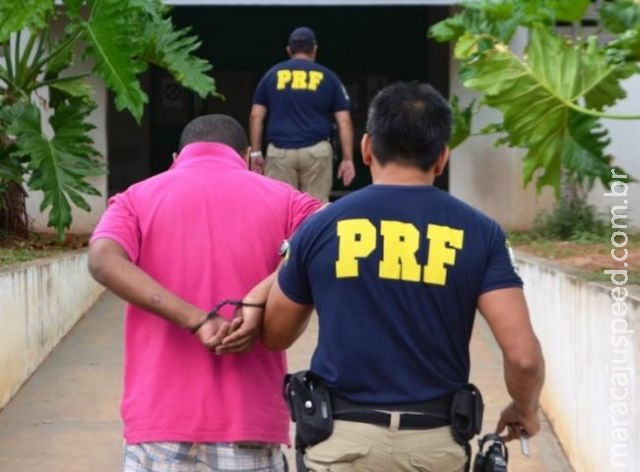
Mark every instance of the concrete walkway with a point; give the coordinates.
(65, 419)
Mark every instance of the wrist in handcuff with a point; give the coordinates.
(195, 328)
(213, 313)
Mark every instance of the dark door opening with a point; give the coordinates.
(368, 47)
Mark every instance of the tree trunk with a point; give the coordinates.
(13, 210)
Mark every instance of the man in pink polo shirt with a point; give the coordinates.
(174, 246)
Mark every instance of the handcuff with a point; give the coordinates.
(215, 311)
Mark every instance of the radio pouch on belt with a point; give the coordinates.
(309, 404)
(466, 413)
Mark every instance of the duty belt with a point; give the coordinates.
(434, 413)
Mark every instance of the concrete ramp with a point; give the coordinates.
(65, 418)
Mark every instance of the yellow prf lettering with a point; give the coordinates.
(299, 81)
(443, 242)
(356, 239)
(401, 242)
(284, 77)
(315, 77)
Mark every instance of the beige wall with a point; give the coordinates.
(488, 177)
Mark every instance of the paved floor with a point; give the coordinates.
(65, 418)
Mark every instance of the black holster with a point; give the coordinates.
(310, 408)
(467, 409)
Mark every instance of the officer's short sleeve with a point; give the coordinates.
(501, 267)
(341, 99)
(260, 96)
(293, 276)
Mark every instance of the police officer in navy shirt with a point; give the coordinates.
(302, 99)
(396, 272)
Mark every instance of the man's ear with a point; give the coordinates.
(442, 161)
(288, 51)
(365, 149)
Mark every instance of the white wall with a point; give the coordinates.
(582, 337)
(626, 152)
(40, 301)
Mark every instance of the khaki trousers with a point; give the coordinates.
(309, 169)
(363, 447)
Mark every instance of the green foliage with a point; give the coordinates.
(621, 16)
(461, 122)
(570, 10)
(552, 97)
(500, 19)
(17, 255)
(53, 166)
(16, 15)
(172, 50)
(19, 249)
(571, 220)
(11, 170)
(623, 19)
(110, 42)
(120, 38)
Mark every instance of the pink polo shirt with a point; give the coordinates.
(207, 229)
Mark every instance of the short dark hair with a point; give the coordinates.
(302, 39)
(410, 123)
(304, 47)
(215, 129)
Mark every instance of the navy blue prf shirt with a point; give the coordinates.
(395, 273)
(301, 97)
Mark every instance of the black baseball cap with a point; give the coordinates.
(303, 34)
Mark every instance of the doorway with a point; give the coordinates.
(367, 47)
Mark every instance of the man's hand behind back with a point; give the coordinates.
(214, 331)
(244, 332)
